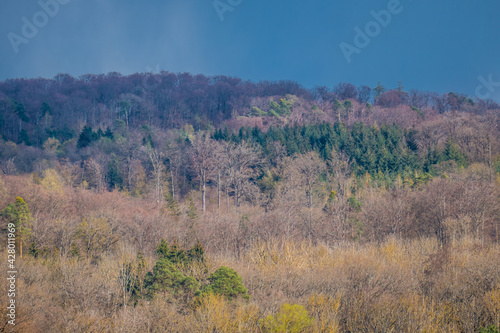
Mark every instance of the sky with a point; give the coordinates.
(436, 45)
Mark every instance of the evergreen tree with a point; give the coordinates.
(24, 138)
(21, 112)
(379, 90)
(166, 279)
(109, 133)
(162, 249)
(86, 137)
(226, 282)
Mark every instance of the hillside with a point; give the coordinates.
(164, 202)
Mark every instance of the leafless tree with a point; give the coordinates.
(337, 206)
(94, 174)
(304, 170)
(156, 158)
(203, 157)
(243, 160)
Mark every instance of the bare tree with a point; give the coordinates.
(156, 158)
(204, 162)
(304, 170)
(221, 162)
(94, 174)
(243, 159)
(337, 206)
(175, 162)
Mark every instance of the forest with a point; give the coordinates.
(186, 203)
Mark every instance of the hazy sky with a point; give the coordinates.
(439, 45)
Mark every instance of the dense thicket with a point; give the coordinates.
(404, 259)
(191, 204)
(32, 110)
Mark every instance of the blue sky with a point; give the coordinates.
(429, 44)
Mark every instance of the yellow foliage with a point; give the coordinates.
(492, 301)
(290, 319)
(216, 314)
(52, 181)
(51, 144)
(293, 255)
(326, 311)
(96, 235)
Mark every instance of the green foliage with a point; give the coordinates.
(74, 251)
(119, 123)
(490, 329)
(115, 178)
(24, 138)
(379, 89)
(20, 111)
(46, 110)
(162, 249)
(226, 282)
(338, 105)
(63, 135)
(197, 253)
(354, 203)
(283, 108)
(274, 113)
(33, 250)
(452, 152)
(85, 138)
(290, 319)
(109, 133)
(19, 215)
(348, 104)
(418, 111)
(166, 278)
(178, 256)
(381, 151)
(256, 112)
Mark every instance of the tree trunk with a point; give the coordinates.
(203, 192)
(172, 181)
(218, 190)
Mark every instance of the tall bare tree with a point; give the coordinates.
(306, 169)
(156, 158)
(94, 174)
(204, 162)
(221, 162)
(243, 159)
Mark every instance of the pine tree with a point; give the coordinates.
(86, 137)
(162, 249)
(166, 279)
(226, 282)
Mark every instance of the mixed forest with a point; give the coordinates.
(186, 203)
